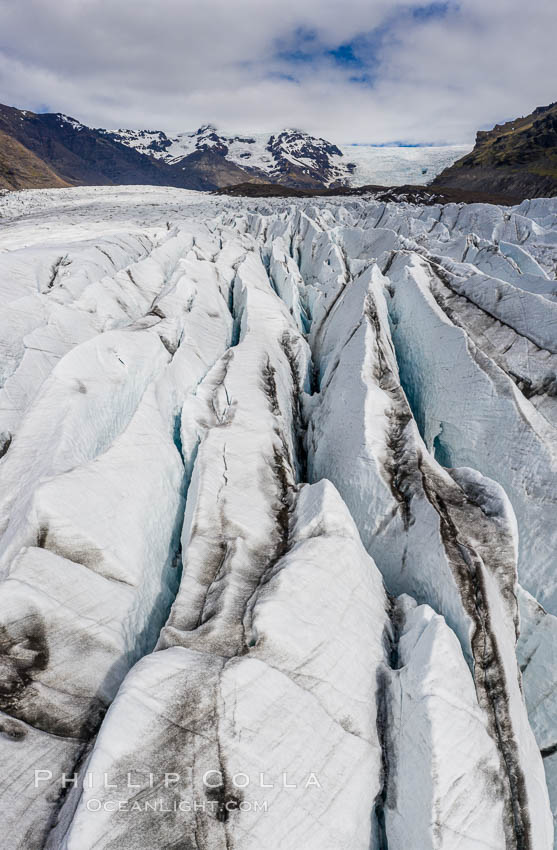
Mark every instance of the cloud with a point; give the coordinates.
(356, 70)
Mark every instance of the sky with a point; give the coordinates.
(352, 71)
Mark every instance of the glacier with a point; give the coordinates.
(277, 522)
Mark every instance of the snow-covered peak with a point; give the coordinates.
(309, 153)
(150, 142)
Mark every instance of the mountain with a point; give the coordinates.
(277, 522)
(290, 158)
(518, 159)
(67, 151)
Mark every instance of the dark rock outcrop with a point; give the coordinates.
(517, 160)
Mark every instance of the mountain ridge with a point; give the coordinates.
(74, 154)
(511, 162)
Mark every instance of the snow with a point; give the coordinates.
(76, 125)
(232, 434)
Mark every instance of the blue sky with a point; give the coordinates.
(352, 71)
(360, 54)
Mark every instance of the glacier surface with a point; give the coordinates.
(277, 523)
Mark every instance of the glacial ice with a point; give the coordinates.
(537, 655)
(463, 806)
(290, 684)
(270, 475)
(472, 409)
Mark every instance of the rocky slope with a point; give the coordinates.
(77, 154)
(277, 502)
(518, 159)
(20, 168)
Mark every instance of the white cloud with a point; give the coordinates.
(174, 64)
